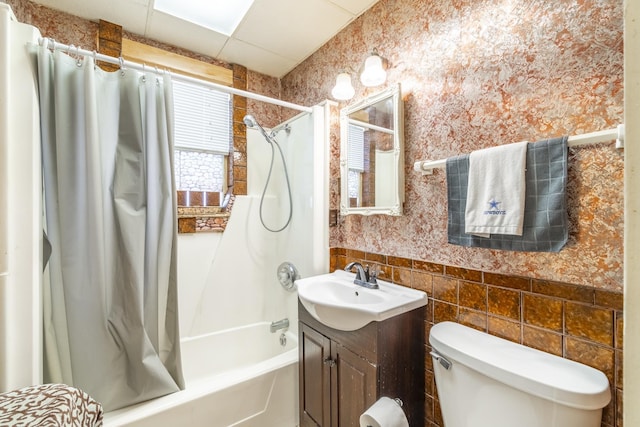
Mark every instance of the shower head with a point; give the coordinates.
(251, 122)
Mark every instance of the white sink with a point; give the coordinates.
(334, 300)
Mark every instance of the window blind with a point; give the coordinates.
(202, 118)
(355, 154)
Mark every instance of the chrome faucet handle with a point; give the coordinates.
(363, 277)
(374, 272)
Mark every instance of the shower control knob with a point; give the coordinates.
(287, 275)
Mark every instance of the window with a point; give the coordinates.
(203, 137)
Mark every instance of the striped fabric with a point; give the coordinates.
(49, 405)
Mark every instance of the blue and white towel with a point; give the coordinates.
(496, 190)
(545, 227)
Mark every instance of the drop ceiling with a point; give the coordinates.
(272, 38)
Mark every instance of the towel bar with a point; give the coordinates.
(426, 167)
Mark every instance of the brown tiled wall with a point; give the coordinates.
(239, 132)
(109, 43)
(575, 322)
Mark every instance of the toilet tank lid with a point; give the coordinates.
(524, 368)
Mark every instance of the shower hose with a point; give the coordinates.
(273, 142)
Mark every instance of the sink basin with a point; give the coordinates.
(334, 300)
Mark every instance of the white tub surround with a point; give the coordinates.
(20, 208)
(237, 377)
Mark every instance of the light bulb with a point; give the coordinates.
(373, 73)
(343, 90)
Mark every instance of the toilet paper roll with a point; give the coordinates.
(385, 412)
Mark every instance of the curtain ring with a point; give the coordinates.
(95, 60)
(157, 76)
(78, 58)
(122, 67)
(144, 73)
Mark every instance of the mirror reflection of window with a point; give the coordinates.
(355, 158)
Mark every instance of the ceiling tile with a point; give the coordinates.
(169, 29)
(356, 7)
(274, 37)
(254, 58)
(133, 19)
(292, 28)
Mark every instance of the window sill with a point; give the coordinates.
(202, 212)
(202, 219)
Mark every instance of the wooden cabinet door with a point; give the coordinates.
(315, 377)
(354, 386)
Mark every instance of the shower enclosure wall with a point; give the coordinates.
(237, 371)
(20, 208)
(240, 264)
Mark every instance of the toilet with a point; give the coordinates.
(486, 381)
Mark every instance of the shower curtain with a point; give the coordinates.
(110, 295)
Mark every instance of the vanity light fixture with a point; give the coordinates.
(343, 90)
(374, 73)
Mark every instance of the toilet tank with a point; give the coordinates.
(486, 381)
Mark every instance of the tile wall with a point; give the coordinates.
(568, 320)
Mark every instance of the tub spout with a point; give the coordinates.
(279, 324)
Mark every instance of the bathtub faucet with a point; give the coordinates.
(279, 324)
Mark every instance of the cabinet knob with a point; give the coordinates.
(329, 361)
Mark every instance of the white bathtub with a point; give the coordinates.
(236, 377)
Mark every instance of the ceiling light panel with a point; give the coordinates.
(222, 16)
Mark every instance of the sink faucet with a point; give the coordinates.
(364, 276)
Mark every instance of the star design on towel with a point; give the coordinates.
(493, 204)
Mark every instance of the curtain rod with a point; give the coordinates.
(53, 45)
(426, 166)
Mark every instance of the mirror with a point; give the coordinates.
(372, 155)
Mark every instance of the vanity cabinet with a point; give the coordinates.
(342, 373)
